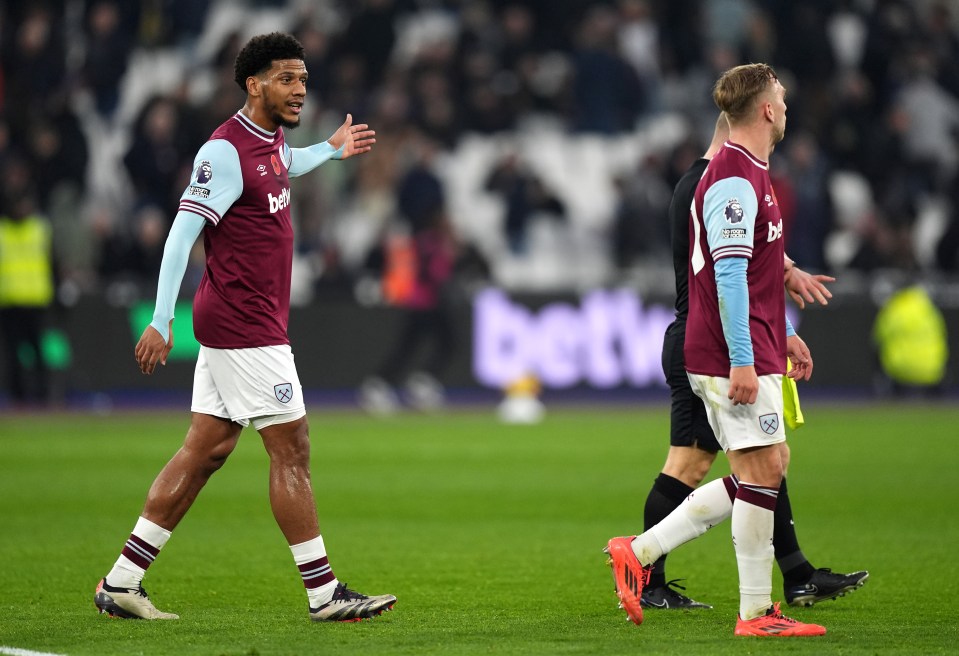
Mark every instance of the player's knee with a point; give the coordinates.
(217, 457)
(700, 467)
(784, 457)
(297, 451)
(208, 461)
(769, 472)
(689, 464)
(205, 458)
(292, 447)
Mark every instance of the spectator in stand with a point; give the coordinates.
(57, 152)
(942, 40)
(524, 195)
(33, 64)
(154, 158)
(370, 37)
(639, 232)
(851, 129)
(931, 132)
(606, 96)
(150, 228)
(416, 272)
(891, 28)
(108, 48)
(639, 42)
(434, 107)
(810, 219)
(186, 19)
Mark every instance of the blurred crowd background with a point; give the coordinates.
(550, 132)
(544, 136)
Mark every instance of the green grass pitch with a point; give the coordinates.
(489, 535)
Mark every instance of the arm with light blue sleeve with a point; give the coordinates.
(729, 215)
(304, 160)
(215, 185)
(176, 253)
(733, 292)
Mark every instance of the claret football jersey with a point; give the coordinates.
(735, 214)
(240, 186)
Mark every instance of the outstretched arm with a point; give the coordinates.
(348, 140)
(805, 287)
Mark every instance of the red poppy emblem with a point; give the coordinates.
(276, 164)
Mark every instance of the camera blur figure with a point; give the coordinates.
(417, 269)
(521, 403)
(419, 259)
(910, 335)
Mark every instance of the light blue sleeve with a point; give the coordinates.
(729, 216)
(304, 160)
(733, 293)
(790, 331)
(216, 181)
(176, 253)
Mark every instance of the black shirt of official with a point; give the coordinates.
(679, 208)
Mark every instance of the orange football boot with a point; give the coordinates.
(775, 624)
(628, 575)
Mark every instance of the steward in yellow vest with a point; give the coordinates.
(26, 278)
(26, 290)
(910, 333)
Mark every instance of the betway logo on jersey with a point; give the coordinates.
(775, 231)
(277, 204)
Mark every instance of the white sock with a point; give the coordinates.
(752, 528)
(139, 552)
(310, 558)
(705, 507)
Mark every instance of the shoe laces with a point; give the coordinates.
(671, 590)
(648, 573)
(830, 575)
(343, 593)
(139, 590)
(776, 613)
(675, 584)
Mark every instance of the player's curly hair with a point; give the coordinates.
(737, 88)
(261, 51)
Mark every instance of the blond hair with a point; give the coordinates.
(736, 90)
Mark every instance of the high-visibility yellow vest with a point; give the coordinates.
(26, 278)
(910, 332)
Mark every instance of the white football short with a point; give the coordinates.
(257, 385)
(745, 425)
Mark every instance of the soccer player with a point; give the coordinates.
(693, 446)
(239, 198)
(737, 342)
